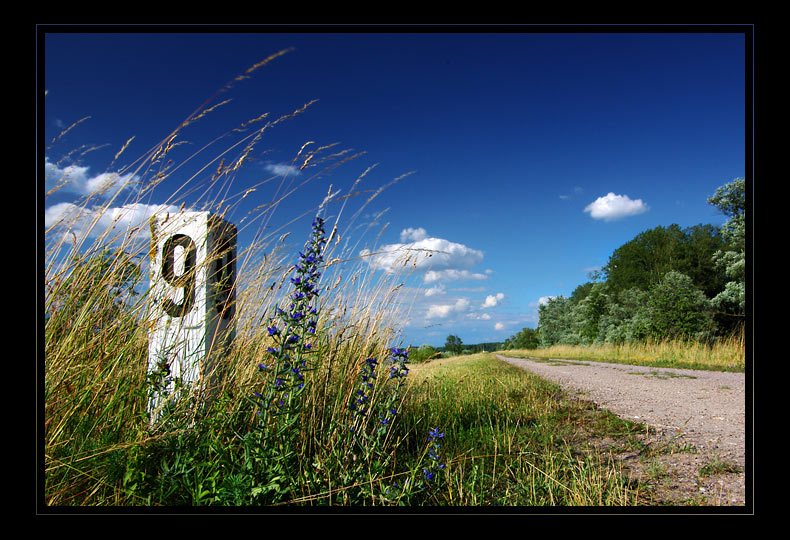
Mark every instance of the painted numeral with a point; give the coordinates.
(186, 280)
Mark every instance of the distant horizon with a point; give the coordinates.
(523, 159)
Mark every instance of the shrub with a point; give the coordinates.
(676, 308)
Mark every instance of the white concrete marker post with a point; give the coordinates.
(193, 299)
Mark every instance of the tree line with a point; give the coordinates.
(453, 346)
(667, 282)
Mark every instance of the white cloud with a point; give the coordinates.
(426, 254)
(492, 300)
(93, 222)
(442, 311)
(282, 169)
(439, 289)
(413, 235)
(543, 300)
(499, 326)
(77, 179)
(612, 207)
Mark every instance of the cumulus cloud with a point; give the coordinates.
(612, 207)
(492, 300)
(499, 326)
(438, 311)
(413, 235)
(447, 260)
(78, 179)
(442, 311)
(93, 222)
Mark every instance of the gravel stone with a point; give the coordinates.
(705, 410)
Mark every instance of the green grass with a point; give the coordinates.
(99, 447)
(515, 440)
(716, 465)
(509, 437)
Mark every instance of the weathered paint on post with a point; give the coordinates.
(193, 299)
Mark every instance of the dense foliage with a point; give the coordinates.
(454, 344)
(666, 283)
(527, 338)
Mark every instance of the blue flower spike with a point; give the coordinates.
(297, 323)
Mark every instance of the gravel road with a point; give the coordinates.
(705, 409)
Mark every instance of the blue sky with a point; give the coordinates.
(532, 156)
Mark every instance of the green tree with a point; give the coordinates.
(643, 261)
(554, 319)
(676, 308)
(730, 199)
(581, 292)
(422, 353)
(701, 243)
(626, 317)
(586, 314)
(454, 344)
(526, 338)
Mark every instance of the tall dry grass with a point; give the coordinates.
(97, 312)
(99, 445)
(727, 353)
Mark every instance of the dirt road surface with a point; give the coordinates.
(702, 413)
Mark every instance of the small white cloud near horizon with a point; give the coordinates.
(492, 300)
(499, 326)
(612, 207)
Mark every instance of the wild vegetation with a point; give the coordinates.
(670, 296)
(301, 416)
(314, 404)
(726, 354)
